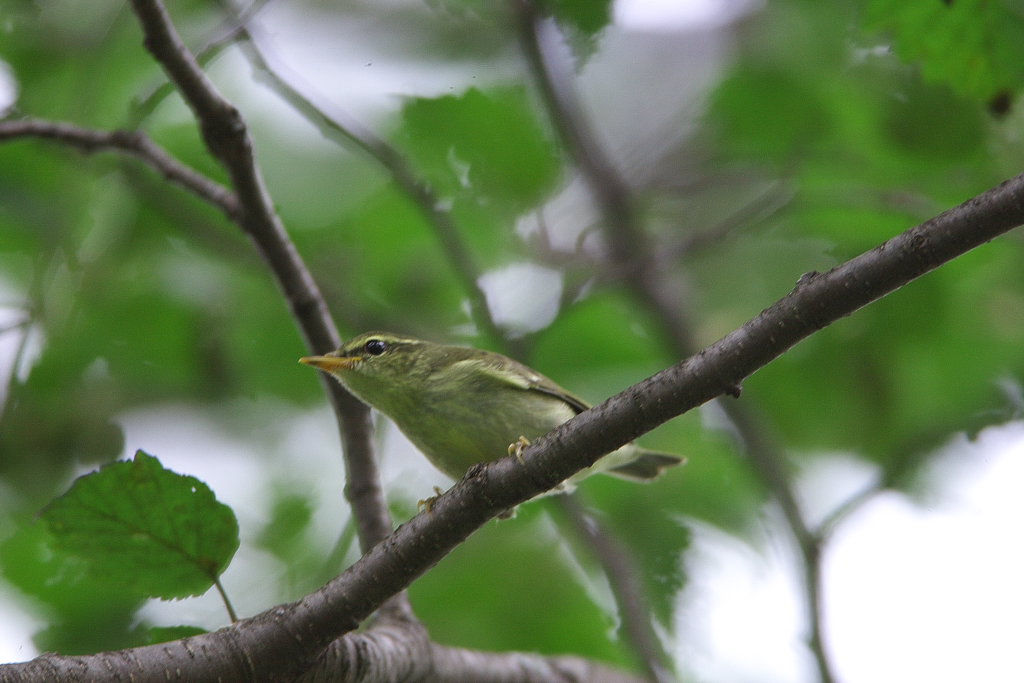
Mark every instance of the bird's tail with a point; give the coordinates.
(646, 466)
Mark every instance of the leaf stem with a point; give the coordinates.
(224, 597)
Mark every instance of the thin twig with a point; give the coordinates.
(615, 200)
(843, 511)
(756, 209)
(137, 144)
(16, 363)
(16, 325)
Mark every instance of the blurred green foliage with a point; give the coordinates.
(970, 45)
(81, 614)
(130, 293)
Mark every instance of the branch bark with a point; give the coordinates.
(403, 652)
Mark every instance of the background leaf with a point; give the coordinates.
(968, 44)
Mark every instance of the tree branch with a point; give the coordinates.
(221, 38)
(403, 652)
(286, 640)
(391, 651)
(227, 138)
(136, 144)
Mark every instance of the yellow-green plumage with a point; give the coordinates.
(461, 406)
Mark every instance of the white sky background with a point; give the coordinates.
(914, 591)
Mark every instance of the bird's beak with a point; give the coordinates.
(330, 363)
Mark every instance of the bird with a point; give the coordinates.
(461, 406)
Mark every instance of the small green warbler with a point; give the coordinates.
(461, 406)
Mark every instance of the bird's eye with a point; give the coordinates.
(376, 347)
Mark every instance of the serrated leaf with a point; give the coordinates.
(144, 527)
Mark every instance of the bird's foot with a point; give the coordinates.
(516, 448)
(428, 503)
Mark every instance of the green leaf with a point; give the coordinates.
(974, 46)
(144, 527)
(286, 532)
(486, 145)
(770, 113)
(586, 16)
(654, 536)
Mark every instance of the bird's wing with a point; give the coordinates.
(516, 374)
(546, 386)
